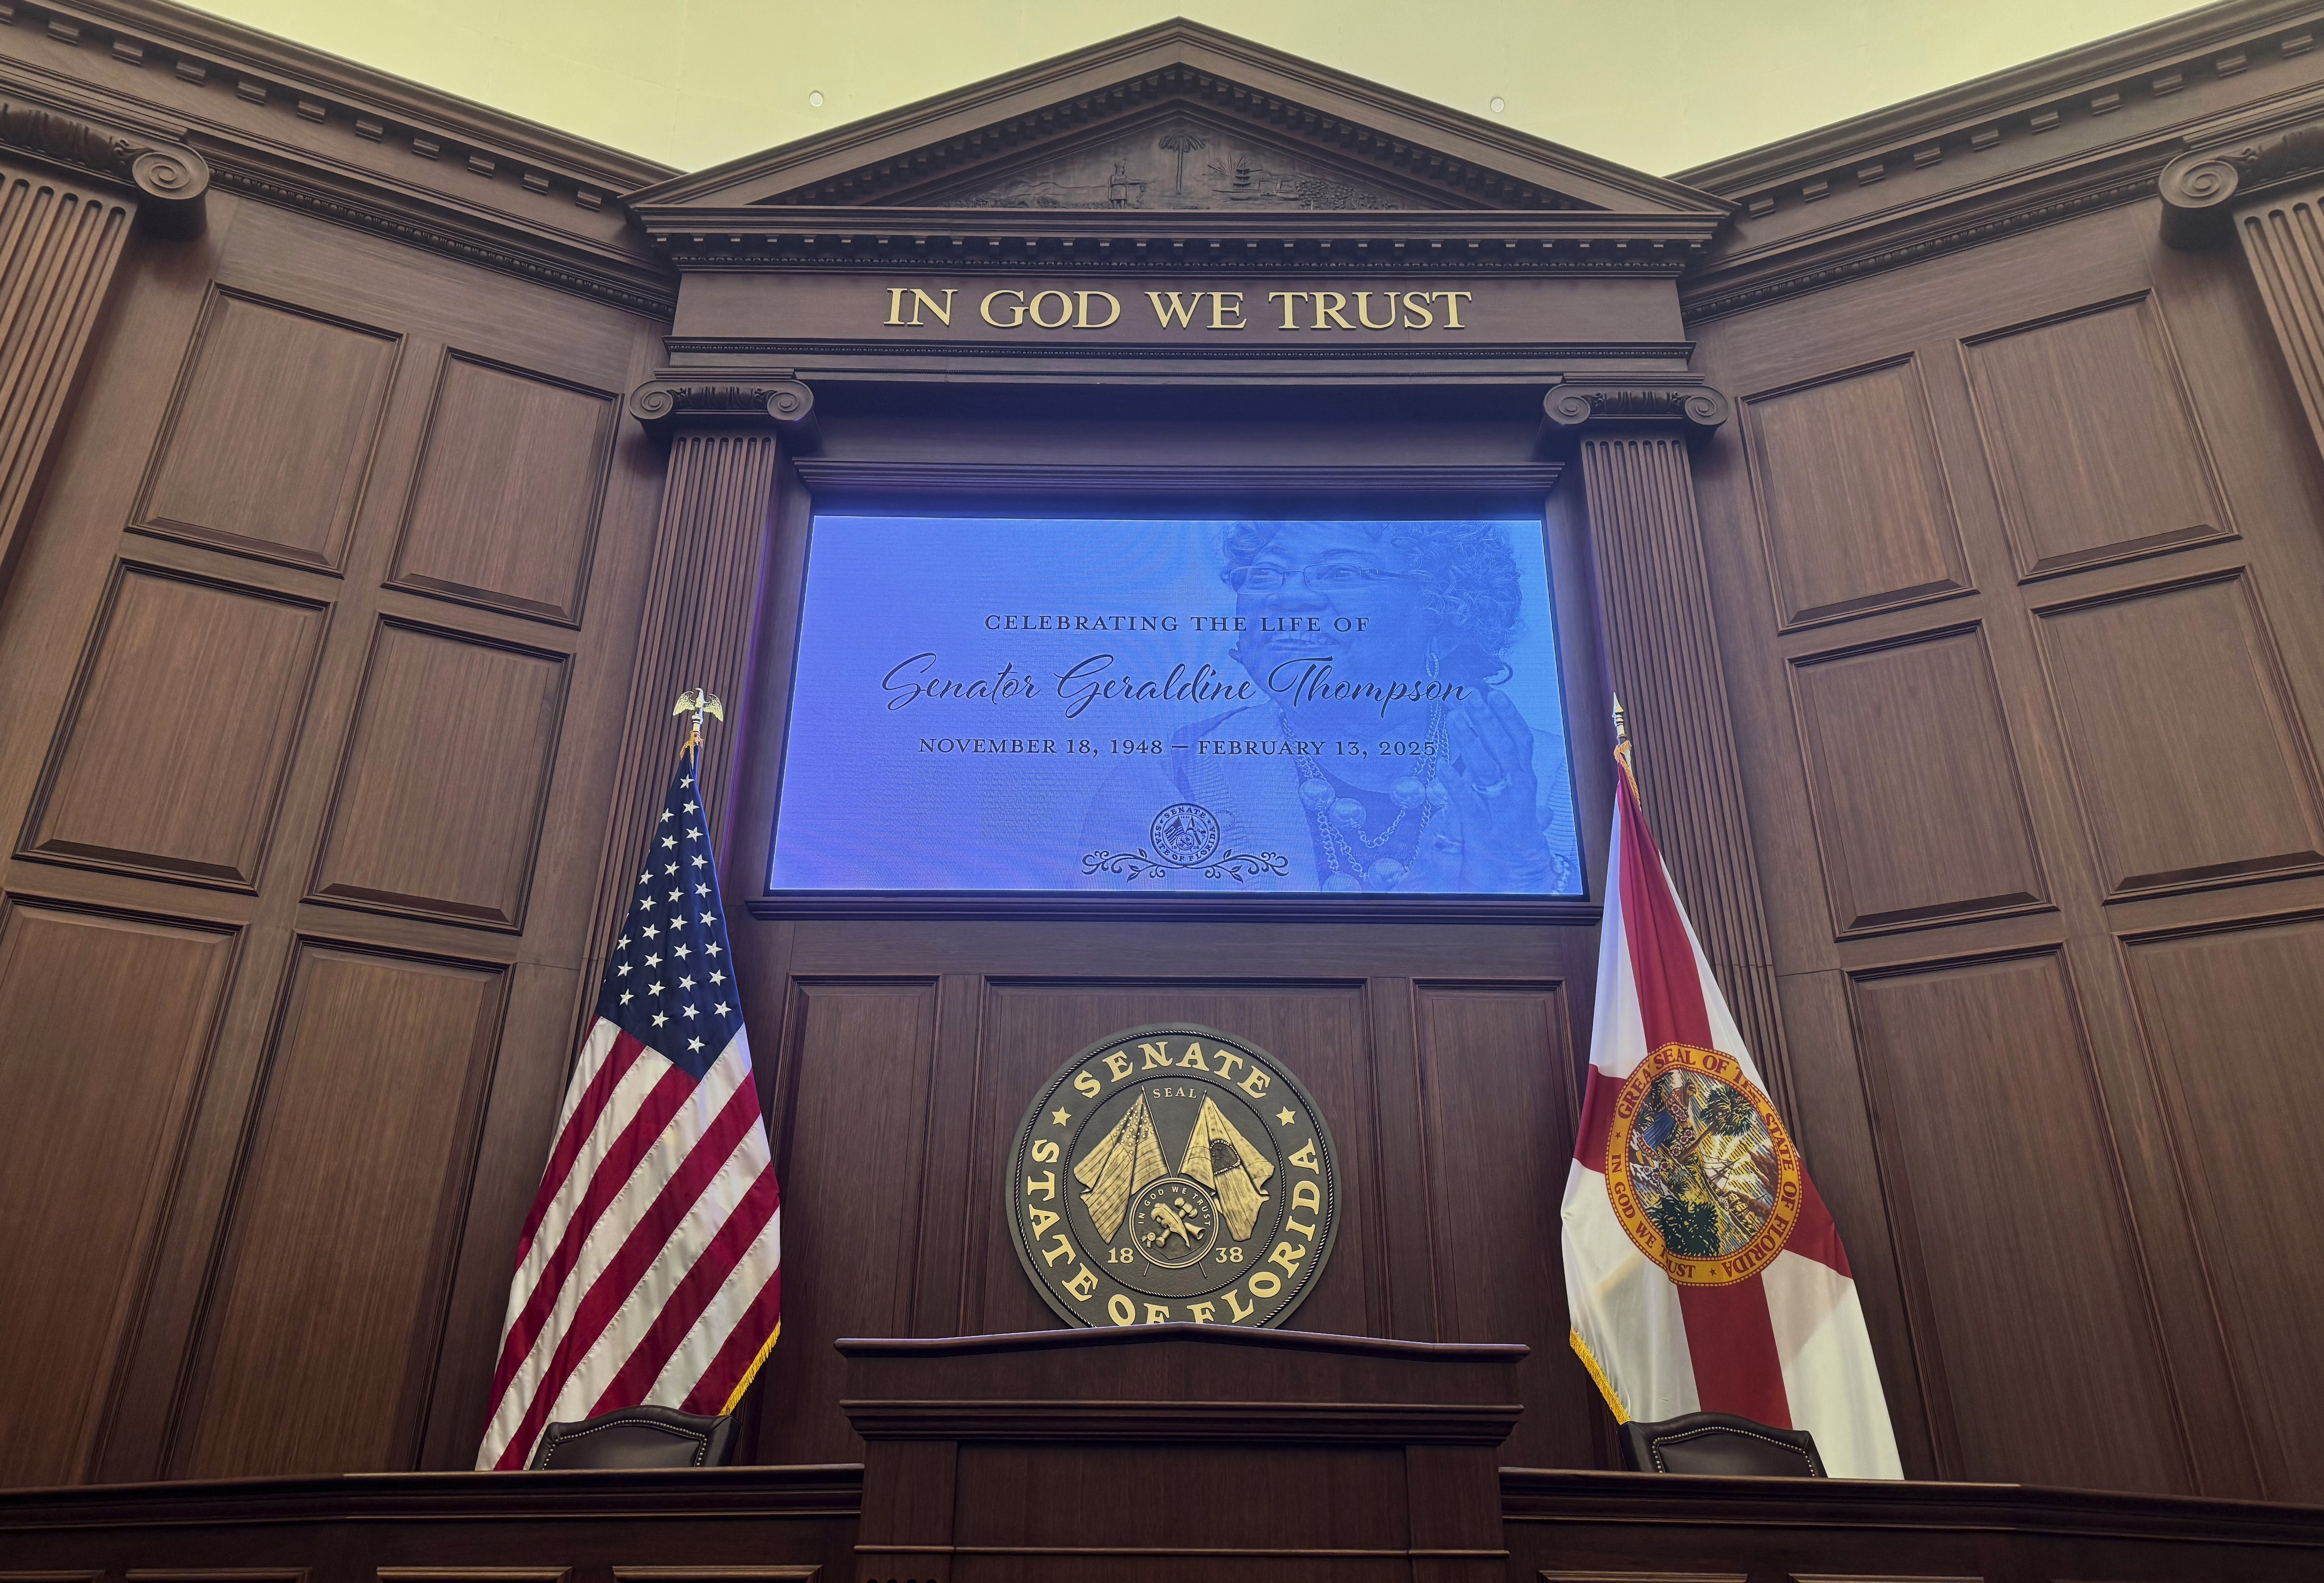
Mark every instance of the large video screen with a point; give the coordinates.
(1140, 705)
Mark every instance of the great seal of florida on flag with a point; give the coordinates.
(1703, 1271)
(650, 1268)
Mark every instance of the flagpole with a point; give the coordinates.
(1622, 755)
(697, 702)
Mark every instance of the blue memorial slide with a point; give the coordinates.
(1237, 707)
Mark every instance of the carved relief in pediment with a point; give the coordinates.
(1175, 164)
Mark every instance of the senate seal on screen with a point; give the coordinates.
(1701, 1173)
(1173, 1174)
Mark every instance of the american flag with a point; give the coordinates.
(650, 1266)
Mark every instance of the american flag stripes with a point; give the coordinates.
(650, 1271)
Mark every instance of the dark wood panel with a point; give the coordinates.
(2021, 1266)
(2094, 447)
(1496, 1095)
(106, 1019)
(2189, 752)
(2231, 1022)
(504, 510)
(326, 1309)
(190, 684)
(269, 438)
(440, 792)
(854, 1123)
(1910, 738)
(1851, 494)
(1321, 1032)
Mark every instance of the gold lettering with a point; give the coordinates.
(1179, 311)
(895, 305)
(1228, 1061)
(1045, 1151)
(1220, 308)
(1157, 1313)
(1156, 1055)
(1042, 1220)
(1364, 310)
(1062, 1250)
(922, 300)
(1204, 1312)
(1118, 1064)
(1087, 1083)
(1083, 1285)
(1236, 1312)
(1045, 1184)
(1015, 313)
(1193, 1058)
(1065, 310)
(1452, 308)
(1306, 1195)
(1290, 300)
(1274, 1284)
(1121, 1309)
(1284, 1255)
(1327, 306)
(1300, 1227)
(1254, 1085)
(1305, 1158)
(1113, 307)
(1417, 302)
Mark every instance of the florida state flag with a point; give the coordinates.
(1703, 1271)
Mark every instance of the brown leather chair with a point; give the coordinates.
(1721, 1443)
(638, 1437)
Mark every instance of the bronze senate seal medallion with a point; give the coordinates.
(1173, 1173)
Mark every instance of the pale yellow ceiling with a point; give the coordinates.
(1659, 85)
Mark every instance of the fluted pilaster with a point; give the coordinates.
(1655, 603)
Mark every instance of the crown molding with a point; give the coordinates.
(2200, 42)
(1032, 99)
(1396, 241)
(171, 36)
(1722, 287)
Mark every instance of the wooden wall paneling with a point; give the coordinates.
(2229, 1017)
(1832, 1123)
(1909, 736)
(439, 803)
(1499, 1112)
(505, 501)
(1408, 1283)
(1663, 661)
(326, 1311)
(2095, 449)
(61, 241)
(1319, 1030)
(1851, 494)
(940, 1283)
(195, 685)
(527, 1088)
(109, 1018)
(856, 1075)
(2023, 1264)
(2190, 759)
(270, 437)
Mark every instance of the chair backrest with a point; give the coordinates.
(1721, 1443)
(638, 1437)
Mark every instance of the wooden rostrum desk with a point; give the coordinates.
(1182, 1453)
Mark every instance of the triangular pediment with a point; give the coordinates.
(1178, 117)
(1174, 161)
